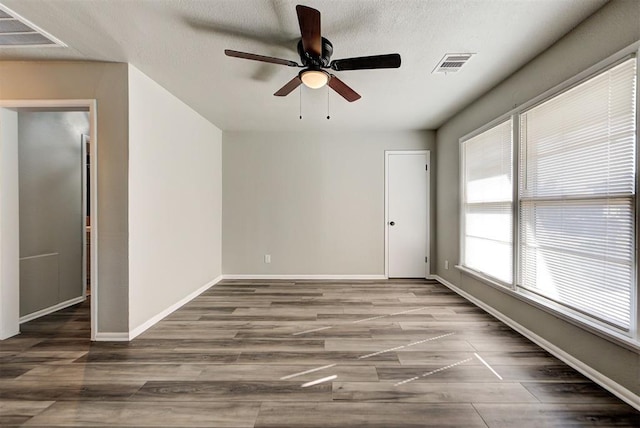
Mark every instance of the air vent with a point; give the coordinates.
(15, 31)
(452, 63)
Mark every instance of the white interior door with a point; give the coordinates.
(407, 222)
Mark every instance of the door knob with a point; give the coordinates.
(392, 223)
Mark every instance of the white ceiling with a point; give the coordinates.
(180, 45)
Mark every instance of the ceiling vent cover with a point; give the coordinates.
(451, 63)
(15, 31)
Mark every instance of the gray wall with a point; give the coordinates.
(314, 201)
(614, 27)
(107, 83)
(51, 221)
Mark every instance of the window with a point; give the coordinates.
(487, 202)
(577, 196)
(575, 218)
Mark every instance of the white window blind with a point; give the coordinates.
(487, 217)
(577, 196)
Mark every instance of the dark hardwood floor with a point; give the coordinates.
(401, 353)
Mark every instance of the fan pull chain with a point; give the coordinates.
(328, 115)
(300, 102)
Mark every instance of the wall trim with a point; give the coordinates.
(111, 337)
(610, 385)
(305, 277)
(153, 320)
(9, 333)
(51, 309)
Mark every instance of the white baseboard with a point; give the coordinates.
(610, 385)
(51, 309)
(8, 333)
(153, 320)
(112, 337)
(307, 277)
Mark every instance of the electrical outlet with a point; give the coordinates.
(267, 258)
(446, 264)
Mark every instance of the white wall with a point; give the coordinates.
(9, 235)
(314, 201)
(612, 28)
(175, 195)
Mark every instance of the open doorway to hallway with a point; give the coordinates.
(55, 191)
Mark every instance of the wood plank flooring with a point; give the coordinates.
(399, 353)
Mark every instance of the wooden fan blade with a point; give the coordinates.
(262, 58)
(290, 86)
(309, 20)
(340, 87)
(367, 62)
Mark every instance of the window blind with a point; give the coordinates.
(487, 198)
(577, 196)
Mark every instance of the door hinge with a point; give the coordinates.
(426, 259)
(426, 167)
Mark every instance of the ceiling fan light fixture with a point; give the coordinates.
(315, 55)
(314, 79)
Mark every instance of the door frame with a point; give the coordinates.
(84, 140)
(14, 288)
(387, 154)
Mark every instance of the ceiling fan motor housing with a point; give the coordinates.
(315, 56)
(311, 61)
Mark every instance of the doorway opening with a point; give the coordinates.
(49, 222)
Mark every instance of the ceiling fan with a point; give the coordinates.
(315, 54)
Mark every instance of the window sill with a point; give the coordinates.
(556, 310)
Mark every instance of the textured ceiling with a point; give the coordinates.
(180, 44)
